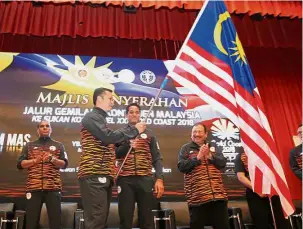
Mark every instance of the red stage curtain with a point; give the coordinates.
(276, 8)
(82, 20)
(90, 46)
(277, 72)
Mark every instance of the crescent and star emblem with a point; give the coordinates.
(238, 48)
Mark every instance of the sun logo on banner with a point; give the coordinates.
(6, 59)
(80, 78)
(238, 48)
(224, 129)
(84, 75)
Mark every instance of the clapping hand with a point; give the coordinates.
(203, 152)
(46, 157)
(38, 159)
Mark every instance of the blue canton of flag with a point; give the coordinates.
(212, 65)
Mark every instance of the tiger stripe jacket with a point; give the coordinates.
(44, 175)
(141, 159)
(97, 141)
(202, 178)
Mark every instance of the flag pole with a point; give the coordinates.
(166, 78)
(144, 120)
(272, 213)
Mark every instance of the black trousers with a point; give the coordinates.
(214, 213)
(261, 213)
(34, 201)
(132, 189)
(96, 193)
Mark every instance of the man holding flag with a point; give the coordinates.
(97, 161)
(212, 64)
(135, 181)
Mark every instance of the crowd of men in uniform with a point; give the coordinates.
(136, 147)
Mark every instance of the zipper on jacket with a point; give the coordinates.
(42, 173)
(135, 161)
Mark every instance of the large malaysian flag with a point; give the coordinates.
(212, 65)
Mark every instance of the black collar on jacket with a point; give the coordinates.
(44, 139)
(100, 111)
(194, 145)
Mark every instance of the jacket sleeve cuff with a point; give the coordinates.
(159, 177)
(195, 161)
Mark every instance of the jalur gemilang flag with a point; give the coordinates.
(212, 64)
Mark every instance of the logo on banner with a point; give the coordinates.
(147, 77)
(82, 73)
(226, 137)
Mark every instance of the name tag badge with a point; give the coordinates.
(28, 195)
(52, 148)
(144, 136)
(102, 180)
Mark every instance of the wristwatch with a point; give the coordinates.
(212, 149)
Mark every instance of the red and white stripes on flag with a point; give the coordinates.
(212, 80)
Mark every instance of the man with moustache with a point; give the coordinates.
(97, 161)
(43, 158)
(204, 189)
(295, 156)
(135, 181)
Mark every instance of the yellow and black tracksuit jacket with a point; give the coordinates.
(202, 178)
(141, 159)
(97, 140)
(43, 176)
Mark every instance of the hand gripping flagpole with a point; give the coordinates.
(144, 119)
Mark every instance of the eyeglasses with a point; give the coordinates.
(42, 126)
